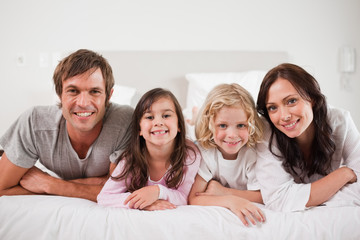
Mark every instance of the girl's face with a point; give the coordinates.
(231, 130)
(288, 111)
(159, 125)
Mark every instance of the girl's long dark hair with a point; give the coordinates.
(323, 146)
(135, 171)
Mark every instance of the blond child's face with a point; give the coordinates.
(159, 125)
(231, 130)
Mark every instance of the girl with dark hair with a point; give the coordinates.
(158, 167)
(311, 150)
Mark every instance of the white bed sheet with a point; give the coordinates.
(53, 217)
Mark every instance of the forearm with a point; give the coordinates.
(16, 190)
(324, 188)
(73, 189)
(221, 201)
(252, 196)
(92, 180)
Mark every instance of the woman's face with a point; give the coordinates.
(288, 111)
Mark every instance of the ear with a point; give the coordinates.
(111, 93)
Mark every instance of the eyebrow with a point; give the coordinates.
(164, 110)
(288, 96)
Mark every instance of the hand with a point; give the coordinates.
(354, 177)
(35, 180)
(143, 197)
(194, 112)
(244, 208)
(160, 204)
(349, 173)
(213, 188)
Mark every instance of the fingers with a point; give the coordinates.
(242, 218)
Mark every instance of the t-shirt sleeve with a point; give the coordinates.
(19, 141)
(205, 167)
(114, 192)
(122, 117)
(252, 182)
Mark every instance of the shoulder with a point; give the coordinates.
(193, 152)
(338, 117)
(116, 114)
(43, 117)
(206, 152)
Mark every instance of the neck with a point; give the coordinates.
(81, 141)
(305, 141)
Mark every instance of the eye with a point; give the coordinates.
(94, 91)
(241, 125)
(71, 91)
(292, 101)
(271, 108)
(149, 117)
(166, 115)
(222, 126)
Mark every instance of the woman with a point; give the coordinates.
(311, 151)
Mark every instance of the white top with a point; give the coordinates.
(284, 191)
(238, 174)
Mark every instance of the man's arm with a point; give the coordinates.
(10, 176)
(16, 180)
(37, 181)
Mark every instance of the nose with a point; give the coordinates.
(231, 133)
(159, 122)
(83, 99)
(285, 114)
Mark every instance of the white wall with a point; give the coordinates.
(310, 31)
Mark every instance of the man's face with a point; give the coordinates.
(83, 102)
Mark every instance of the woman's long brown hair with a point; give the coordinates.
(323, 145)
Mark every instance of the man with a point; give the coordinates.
(75, 140)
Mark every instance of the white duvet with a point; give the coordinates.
(53, 217)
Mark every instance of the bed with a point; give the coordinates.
(189, 75)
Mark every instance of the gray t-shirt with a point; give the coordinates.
(40, 134)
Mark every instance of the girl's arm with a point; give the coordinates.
(239, 206)
(215, 188)
(114, 193)
(180, 195)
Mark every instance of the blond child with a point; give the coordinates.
(227, 128)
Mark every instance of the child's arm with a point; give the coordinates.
(239, 206)
(114, 193)
(215, 188)
(180, 195)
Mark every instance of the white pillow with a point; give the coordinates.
(200, 85)
(122, 94)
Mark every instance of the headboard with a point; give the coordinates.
(145, 70)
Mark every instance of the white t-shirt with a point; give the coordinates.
(238, 174)
(284, 191)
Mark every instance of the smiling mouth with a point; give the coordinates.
(159, 132)
(291, 124)
(232, 143)
(84, 114)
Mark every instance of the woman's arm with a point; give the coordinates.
(326, 187)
